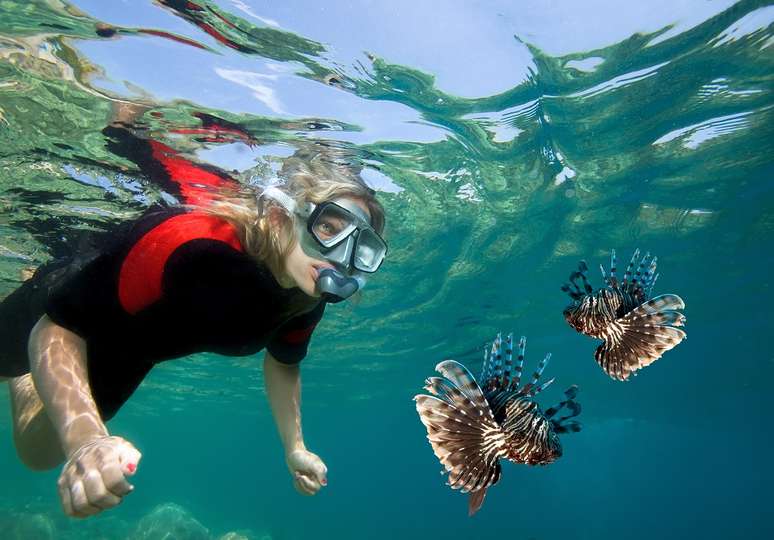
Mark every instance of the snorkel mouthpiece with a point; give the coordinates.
(334, 286)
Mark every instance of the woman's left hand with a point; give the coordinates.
(308, 470)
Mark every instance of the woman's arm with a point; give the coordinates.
(58, 366)
(283, 388)
(93, 478)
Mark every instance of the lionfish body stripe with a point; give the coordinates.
(472, 425)
(635, 330)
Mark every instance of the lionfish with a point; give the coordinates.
(635, 329)
(472, 426)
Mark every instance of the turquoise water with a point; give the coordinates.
(507, 142)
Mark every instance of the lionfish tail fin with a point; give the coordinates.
(475, 500)
(565, 424)
(642, 336)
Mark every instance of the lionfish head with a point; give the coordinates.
(573, 314)
(548, 451)
(554, 448)
(533, 438)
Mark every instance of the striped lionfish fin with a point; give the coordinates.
(640, 283)
(640, 337)
(572, 288)
(460, 377)
(628, 274)
(613, 281)
(564, 424)
(507, 371)
(489, 369)
(461, 429)
(498, 369)
(531, 389)
(519, 366)
(649, 277)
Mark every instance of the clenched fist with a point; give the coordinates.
(94, 478)
(308, 470)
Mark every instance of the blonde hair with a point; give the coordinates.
(312, 175)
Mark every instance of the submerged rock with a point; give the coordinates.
(244, 535)
(234, 536)
(170, 522)
(20, 526)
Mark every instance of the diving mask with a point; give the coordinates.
(340, 233)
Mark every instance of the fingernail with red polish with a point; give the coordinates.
(131, 467)
(324, 482)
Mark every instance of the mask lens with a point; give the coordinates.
(332, 225)
(369, 252)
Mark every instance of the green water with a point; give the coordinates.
(507, 143)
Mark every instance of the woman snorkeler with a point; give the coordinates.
(233, 271)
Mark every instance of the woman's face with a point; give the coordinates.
(302, 269)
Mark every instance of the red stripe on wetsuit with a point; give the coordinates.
(139, 280)
(294, 337)
(141, 274)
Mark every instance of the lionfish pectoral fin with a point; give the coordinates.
(475, 501)
(462, 430)
(644, 334)
(583, 270)
(574, 295)
(564, 424)
(571, 426)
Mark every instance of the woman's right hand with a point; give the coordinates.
(94, 477)
(308, 471)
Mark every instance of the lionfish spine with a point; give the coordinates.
(647, 275)
(539, 371)
(519, 366)
(508, 361)
(628, 273)
(652, 283)
(542, 387)
(639, 276)
(613, 278)
(497, 351)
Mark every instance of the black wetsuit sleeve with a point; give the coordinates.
(290, 343)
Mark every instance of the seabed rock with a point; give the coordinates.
(170, 522)
(244, 535)
(21, 526)
(234, 536)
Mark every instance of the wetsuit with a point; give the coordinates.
(173, 283)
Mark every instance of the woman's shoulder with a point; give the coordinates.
(172, 249)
